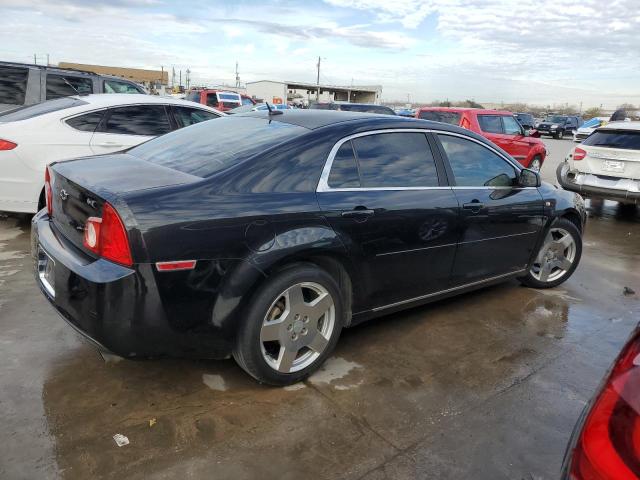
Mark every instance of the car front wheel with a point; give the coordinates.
(557, 258)
(291, 327)
(559, 134)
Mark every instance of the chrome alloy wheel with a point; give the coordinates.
(556, 256)
(297, 327)
(535, 164)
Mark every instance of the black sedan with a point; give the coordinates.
(263, 235)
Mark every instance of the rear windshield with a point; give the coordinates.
(31, 111)
(366, 108)
(205, 148)
(452, 118)
(614, 139)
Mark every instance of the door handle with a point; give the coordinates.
(358, 212)
(475, 206)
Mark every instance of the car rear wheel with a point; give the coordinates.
(557, 258)
(292, 325)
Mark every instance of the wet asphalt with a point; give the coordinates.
(485, 385)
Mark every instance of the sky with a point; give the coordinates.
(541, 52)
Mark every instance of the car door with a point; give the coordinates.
(384, 193)
(130, 125)
(500, 222)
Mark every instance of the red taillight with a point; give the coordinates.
(48, 196)
(107, 237)
(7, 145)
(579, 154)
(608, 447)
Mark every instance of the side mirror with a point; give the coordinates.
(529, 178)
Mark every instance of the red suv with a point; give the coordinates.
(501, 127)
(219, 99)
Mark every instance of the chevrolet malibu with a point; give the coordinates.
(264, 235)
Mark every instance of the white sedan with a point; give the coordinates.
(34, 136)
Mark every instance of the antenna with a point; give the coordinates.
(272, 111)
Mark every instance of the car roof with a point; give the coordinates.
(621, 126)
(312, 119)
(483, 111)
(109, 99)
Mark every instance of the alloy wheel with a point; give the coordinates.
(297, 327)
(556, 256)
(535, 164)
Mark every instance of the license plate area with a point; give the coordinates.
(613, 166)
(46, 272)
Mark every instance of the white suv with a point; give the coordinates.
(606, 164)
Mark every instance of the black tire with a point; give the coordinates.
(530, 281)
(248, 347)
(559, 135)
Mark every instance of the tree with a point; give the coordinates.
(592, 112)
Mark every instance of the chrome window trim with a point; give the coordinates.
(323, 183)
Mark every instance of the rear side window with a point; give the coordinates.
(67, 85)
(149, 120)
(625, 140)
(31, 111)
(209, 147)
(115, 86)
(190, 116)
(452, 118)
(13, 85)
(344, 172)
(490, 123)
(87, 122)
(395, 160)
(474, 165)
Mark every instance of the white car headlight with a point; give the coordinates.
(555, 125)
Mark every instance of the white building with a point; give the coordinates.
(301, 92)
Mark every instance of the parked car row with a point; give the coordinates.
(501, 127)
(558, 126)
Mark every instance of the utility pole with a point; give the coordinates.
(237, 76)
(48, 60)
(35, 60)
(318, 82)
(188, 78)
(180, 82)
(173, 76)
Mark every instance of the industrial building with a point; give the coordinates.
(139, 75)
(301, 92)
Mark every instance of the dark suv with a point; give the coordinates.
(526, 120)
(25, 84)
(558, 126)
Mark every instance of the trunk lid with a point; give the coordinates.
(80, 188)
(610, 162)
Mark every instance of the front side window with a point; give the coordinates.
(490, 123)
(148, 120)
(67, 85)
(114, 86)
(212, 100)
(344, 172)
(87, 122)
(395, 160)
(190, 116)
(13, 85)
(474, 165)
(511, 126)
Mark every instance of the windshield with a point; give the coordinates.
(626, 140)
(31, 111)
(205, 149)
(452, 118)
(594, 122)
(555, 119)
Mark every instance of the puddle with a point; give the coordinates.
(335, 368)
(214, 382)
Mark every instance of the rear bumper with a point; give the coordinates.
(624, 189)
(118, 308)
